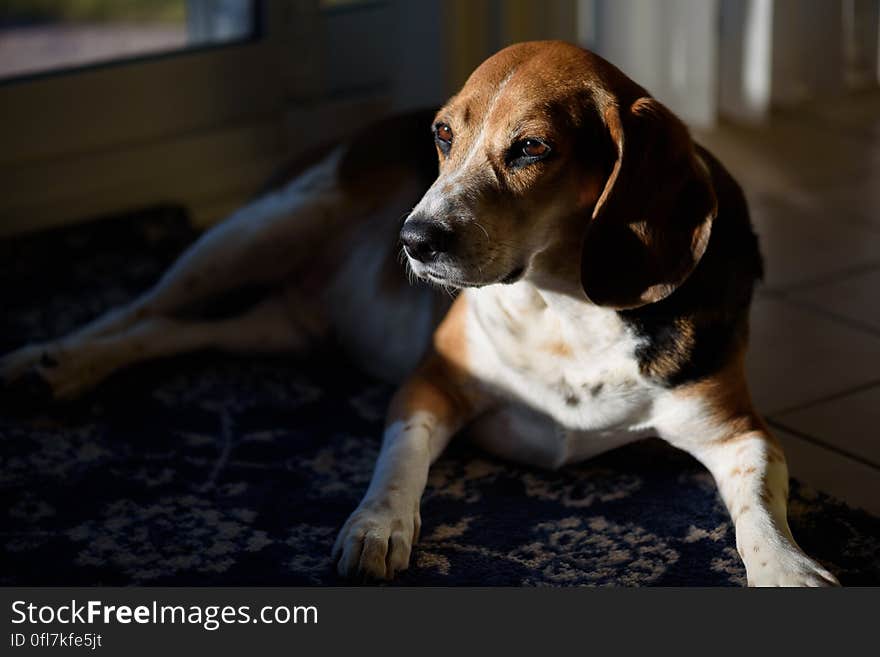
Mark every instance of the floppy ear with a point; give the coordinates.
(651, 223)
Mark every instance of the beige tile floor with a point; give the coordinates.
(813, 182)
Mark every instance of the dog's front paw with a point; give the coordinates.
(376, 540)
(789, 567)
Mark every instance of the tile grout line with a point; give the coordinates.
(766, 204)
(821, 443)
(862, 387)
(828, 279)
(855, 324)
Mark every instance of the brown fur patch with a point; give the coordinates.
(441, 385)
(450, 339)
(677, 351)
(557, 348)
(743, 509)
(775, 454)
(726, 395)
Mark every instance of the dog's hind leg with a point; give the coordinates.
(274, 325)
(260, 245)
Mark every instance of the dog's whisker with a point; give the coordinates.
(485, 232)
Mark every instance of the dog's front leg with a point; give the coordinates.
(749, 467)
(752, 477)
(377, 538)
(713, 419)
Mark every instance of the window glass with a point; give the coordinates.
(39, 36)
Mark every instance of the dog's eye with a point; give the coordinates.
(534, 148)
(527, 151)
(443, 136)
(444, 132)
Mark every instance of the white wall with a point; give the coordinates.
(669, 47)
(745, 53)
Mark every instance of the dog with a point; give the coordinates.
(600, 266)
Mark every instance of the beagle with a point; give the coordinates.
(604, 265)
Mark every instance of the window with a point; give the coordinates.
(39, 36)
(206, 109)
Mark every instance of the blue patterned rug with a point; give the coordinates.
(210, 470)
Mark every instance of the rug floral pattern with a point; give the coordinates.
(210, 470)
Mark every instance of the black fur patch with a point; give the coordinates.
(691, 333)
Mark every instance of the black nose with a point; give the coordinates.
(424, 239)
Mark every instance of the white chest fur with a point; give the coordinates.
(558, 355)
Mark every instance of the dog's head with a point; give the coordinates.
(553, 162)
